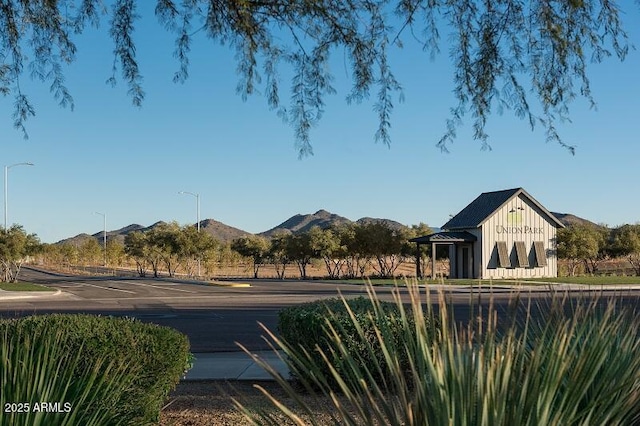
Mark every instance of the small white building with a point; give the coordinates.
(501, 234)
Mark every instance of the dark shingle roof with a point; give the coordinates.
(485, 205)
(447, 236)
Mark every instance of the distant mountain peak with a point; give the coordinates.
(300, 223)
(568, 219)
(295, 224)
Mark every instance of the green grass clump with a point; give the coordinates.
(23, 286)
(568, 362)
(147, 359)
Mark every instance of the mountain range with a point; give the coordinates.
(298, 223)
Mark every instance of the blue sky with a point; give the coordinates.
(108, 156)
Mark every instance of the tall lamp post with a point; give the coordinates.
(104, 235)
(197, 216)
(6, 191)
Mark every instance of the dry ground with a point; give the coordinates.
(210, 403)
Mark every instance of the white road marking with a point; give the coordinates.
(108, 288)
(159, 287)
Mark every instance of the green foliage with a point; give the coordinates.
(136, 246)
(37, 370)
(626, 242)
(170, 245)
(279, 252)
(299, 250)
(505, 55)
(255, 247)
(326, 245)
(15, 246)
(91, 252)
(583, 243)
(23, 286)
(316, 329)
(568, 362)
(115, 252)
(155, 357)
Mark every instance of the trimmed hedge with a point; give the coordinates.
(154, 357)
(306, 328)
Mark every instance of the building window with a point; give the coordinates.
(541, 256)
(521, 254)
(503, 256)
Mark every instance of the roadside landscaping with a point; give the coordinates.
(66, 369)
(574, 364)
(600, 280)
(23, 286)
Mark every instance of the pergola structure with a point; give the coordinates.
(454, 238)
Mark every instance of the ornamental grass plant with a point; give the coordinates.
(559, 361)
(42, 384)
(100, 370)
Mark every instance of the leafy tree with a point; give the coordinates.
(387, 246)
(582, 244)
(165, 244)
(254, 247)
(626, 242)
(223, 256)
(115, 252)
(15, 247)
(194, 247)
(507, 55)
(356, 258)
(326, 245)
(300, 251)
(279, 252)
(91, 252)
(64, 254)
(69, 254)
(137, 247)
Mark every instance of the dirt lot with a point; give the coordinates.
(210, 403)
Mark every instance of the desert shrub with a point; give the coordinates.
(41, 383)
(318, 329)
(153, 357)
(568, 362)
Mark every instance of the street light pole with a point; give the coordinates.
(6, 190)
(104, 235)
(197, 216)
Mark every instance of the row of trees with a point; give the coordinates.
(590, 245)
(347, 250)
(169, 245)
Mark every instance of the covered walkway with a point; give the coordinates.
(461, 245)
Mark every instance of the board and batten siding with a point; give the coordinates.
(526, 223)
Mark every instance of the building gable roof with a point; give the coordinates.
(445, 237)
(487, 203)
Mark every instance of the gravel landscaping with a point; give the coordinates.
(210, 403)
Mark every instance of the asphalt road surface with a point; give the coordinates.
(213, 317)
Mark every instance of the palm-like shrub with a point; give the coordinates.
(570, 362)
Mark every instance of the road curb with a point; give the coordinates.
(228, 284)
(16, 295)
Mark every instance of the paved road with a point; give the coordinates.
(214, 317)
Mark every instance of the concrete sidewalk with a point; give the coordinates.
(234, 366)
